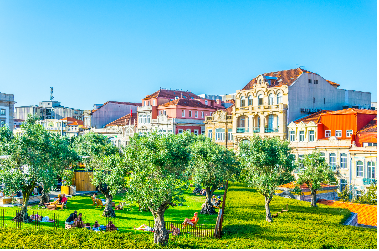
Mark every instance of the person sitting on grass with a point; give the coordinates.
(71, 218)
(144, 227)
(63, 200)
(78, 222)
(96, 226)
(192, 221)
(174, 230)
(88, 226)
(111, 226)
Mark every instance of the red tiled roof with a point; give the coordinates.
(285, 77)
(73, 121)
(187, 102)
(315, 117)
(370, 127)
(353, 111)
(124, 120)
(171, 94)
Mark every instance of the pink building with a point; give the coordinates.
(173, 111)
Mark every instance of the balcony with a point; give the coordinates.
(367, 181)
(242, 130)
(144, 108)
(256, 129)
(270, 130)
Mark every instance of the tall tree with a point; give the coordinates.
(268, 164)
(103, 158)
(211, 165)
(35, 157)
(314, 171)
(157, 175)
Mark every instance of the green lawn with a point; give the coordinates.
(244, 227)
(126, 219)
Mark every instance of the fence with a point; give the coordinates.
(198, 231)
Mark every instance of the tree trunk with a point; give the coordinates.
(45, 198)
(267, 206)
(207, 207)
(161, 235)
(108, 210)
(24, 208)
(313, 198)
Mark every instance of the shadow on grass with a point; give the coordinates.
(240, 229)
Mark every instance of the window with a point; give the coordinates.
(292, 135)
(188, 130)
(202, 114)
(2, 123)
(314, 100)
(311, 135)
(359, 168)
(358, 193)
(343, 184)
(301, 157)
(154, 102)
(180, 131)
(2, 112)
(210, 114)
(315, 81)
(301, 136)
(144, 103)
(349, 133)
(332, 160)
(148, 118)
(220, 134)
(324, 101)
(196, 114)
(279, 98)
(148, 103)
(339, 133)
(206, 102)
(369, 144)
(210, 134)
(271, 99)
(190, 113)
(371, 170)
(327, 133)
(250, 100)
(322, 154)
(310, 81)
(343, 160)
(230, 135)
(183, 113)
(242, 101)
(196, 132)
(260, 99)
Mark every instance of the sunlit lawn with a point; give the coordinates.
(125, 219)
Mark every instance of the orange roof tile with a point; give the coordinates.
(315, 117)
(124, 120)
(73, 121)
(353, 111)
(171, 94)
(370, 127)
(285, 77)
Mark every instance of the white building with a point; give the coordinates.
(6, 110)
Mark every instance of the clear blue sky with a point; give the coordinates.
(95, 51)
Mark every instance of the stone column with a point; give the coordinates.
(251, 122)
(262, 125)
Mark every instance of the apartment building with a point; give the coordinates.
(7, 110)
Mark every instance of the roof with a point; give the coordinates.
(315, 117)
(353, 111)
(117, 102)
(187, 102)
(229, 110)
(172, 94)
(370, 127)
(124, 120)
(73, 121)
(285, 77)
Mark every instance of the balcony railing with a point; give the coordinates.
(242, 129)
(269, 130)
(256, 129)
(367, 181)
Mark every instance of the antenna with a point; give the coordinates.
(51, 94)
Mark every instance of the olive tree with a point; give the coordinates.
(314, 171)
(211, 165)
(157, 176)
(103, 158)
(267, 164)
(34, 157)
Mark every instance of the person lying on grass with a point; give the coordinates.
(144, 227)
(174, 230)
(36, 217)
(192, 221)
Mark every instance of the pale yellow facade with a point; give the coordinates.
(216, 126)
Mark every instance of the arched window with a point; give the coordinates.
(271, 99)
(242, 101)
(260, 99)
(279, 98)
(250, 100)
(359, 168)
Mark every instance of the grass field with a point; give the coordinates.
(126, 219)
(244, 227)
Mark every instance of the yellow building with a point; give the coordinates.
(219, 123)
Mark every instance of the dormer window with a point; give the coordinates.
(206, 102)
(327, 133)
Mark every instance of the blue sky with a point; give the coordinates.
(96, 51)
